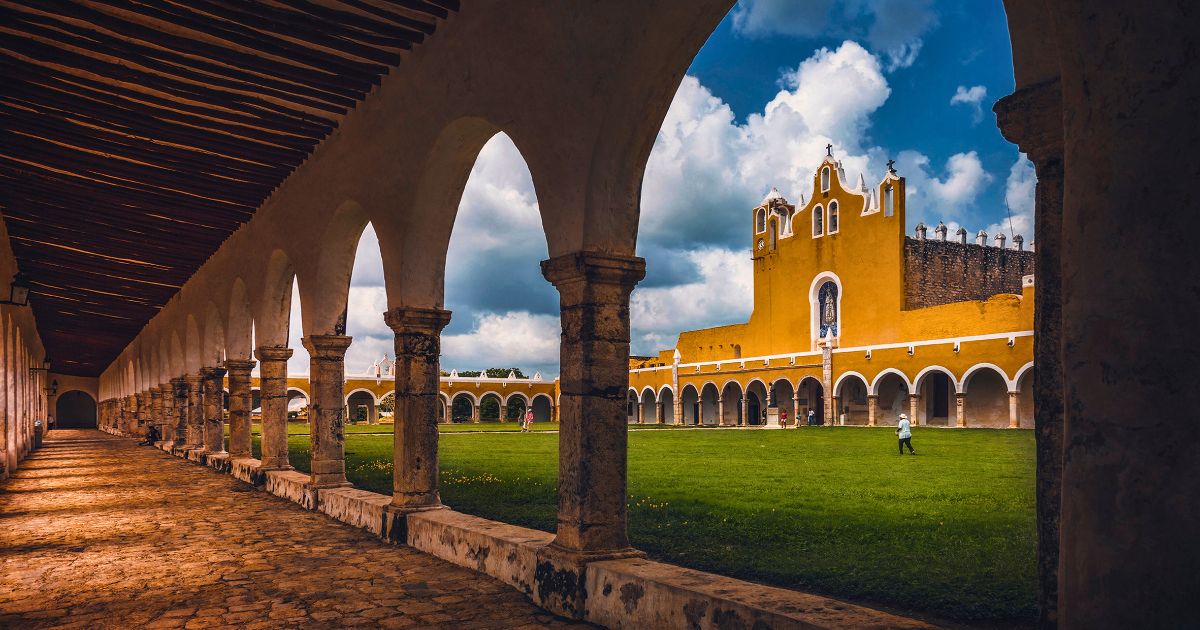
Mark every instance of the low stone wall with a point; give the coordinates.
(630, 592)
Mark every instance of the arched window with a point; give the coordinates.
(760, 221)
(825, 179)
(833, 217)
(827, 302)
(888, 207)
(774, 233)
(818, 221)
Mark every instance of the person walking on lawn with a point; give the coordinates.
(904, 432)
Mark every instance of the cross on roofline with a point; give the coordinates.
(829, 150)
(891, 166)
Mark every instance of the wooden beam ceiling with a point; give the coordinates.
(137, 135)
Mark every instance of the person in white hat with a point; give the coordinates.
(904, 432)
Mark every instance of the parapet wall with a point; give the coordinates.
(940, 272)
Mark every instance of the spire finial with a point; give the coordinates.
(829, 150)
(892, 166)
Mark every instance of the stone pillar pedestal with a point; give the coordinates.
(214, 408)
(594, 299)
(474, 412)
(720, 411)
(241, 401)
(676, 410)
(659, 418)
(960, 409)
(179, 409)
(418, 334)
(745, 421)
(872, 409)
(1014, 410)
(195, 411)
(155, 410)
(272, 375)
(135, 416)
(914, 405)
(326, 411)
(166, 418)
(837, 410)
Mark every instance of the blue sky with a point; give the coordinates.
(910, 80)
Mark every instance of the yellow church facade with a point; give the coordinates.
(857, 322)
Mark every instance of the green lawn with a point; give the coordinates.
(949, 533)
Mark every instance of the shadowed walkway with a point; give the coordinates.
(95, 532)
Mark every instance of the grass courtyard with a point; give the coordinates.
(949, 533)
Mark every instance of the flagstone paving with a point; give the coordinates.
(98, 533)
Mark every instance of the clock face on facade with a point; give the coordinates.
(761, 243)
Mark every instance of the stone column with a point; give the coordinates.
(1032, 117)
(167, 416)
(156, 410)
(418, 345)
(837, 410)
(827, 383)
(179, 408)
(641, 419)
(135, 423)
(594, 293)
(272, 377)
(659, 418)
(214, 410)
(676, 410)
(914, 405)
(474, 412)
(241, 401)
(960, 408)
(326, 410)
(195, 411)
(872, 409)
(1014, 410)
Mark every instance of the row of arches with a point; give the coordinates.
(983, 396)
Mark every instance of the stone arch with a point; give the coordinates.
(731, 393)
(485, 408)
(666, 397)
(74, 409)
(1021, 372)
(295, 407)
(213, 338)
(708, 405)
(178, 359)
(810, 393)
(689, 400)
(891, 388)
(964, 382)
(937, 389)
(325, 287)
(1024, 383)
(985, 396)
(362, 406)
(274, 307)
(756, 402)
(511, 411)
(631, 406)
(463, 407)
(782, 398)
(850, 390)
(648, 406)
(240, 326)
(543, 408)
(193, 348)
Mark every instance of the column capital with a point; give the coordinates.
(327, 347)
(273, 353)
(411, 319)
(239, 366)
(179, 380)
(594, 267)
(213, 373)
(1032, 118)
(872, 396)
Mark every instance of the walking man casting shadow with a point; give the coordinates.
(904, 432)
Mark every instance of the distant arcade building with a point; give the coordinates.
(857, 322)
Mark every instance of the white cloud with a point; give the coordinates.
(965, 180)
(950, 196)
(724, 290)
(971, 97)
(1019, 191)
(501, 340)
(894, 28)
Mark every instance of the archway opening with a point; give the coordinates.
(514, 409)
(709, 405)
(1025, 400)
(631, 407)
(756, 404)
(811, 401)
(667, 397)
(732, 395)
(689, 405)
(892, 399)
(543, 409)
(937, 406)
(75, 410)
(297, 407)
(462, 408)
(986, 401)
(361, 408)
(649, 408)
(851, 396)
(489, 408)
(782, 402)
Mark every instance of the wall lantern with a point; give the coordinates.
(52, 389)
(18, 292)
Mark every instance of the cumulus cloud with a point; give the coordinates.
(518, 339)
(894, 28)
(972, 97)
(947, 196)
(1019, 191)
(723, 289)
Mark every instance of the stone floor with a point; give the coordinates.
(98, 533)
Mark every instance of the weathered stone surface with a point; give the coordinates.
(941, 272)
(114, 545)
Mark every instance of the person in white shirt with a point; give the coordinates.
(904, 432)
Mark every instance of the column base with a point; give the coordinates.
(395, 525)
(560, 579)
